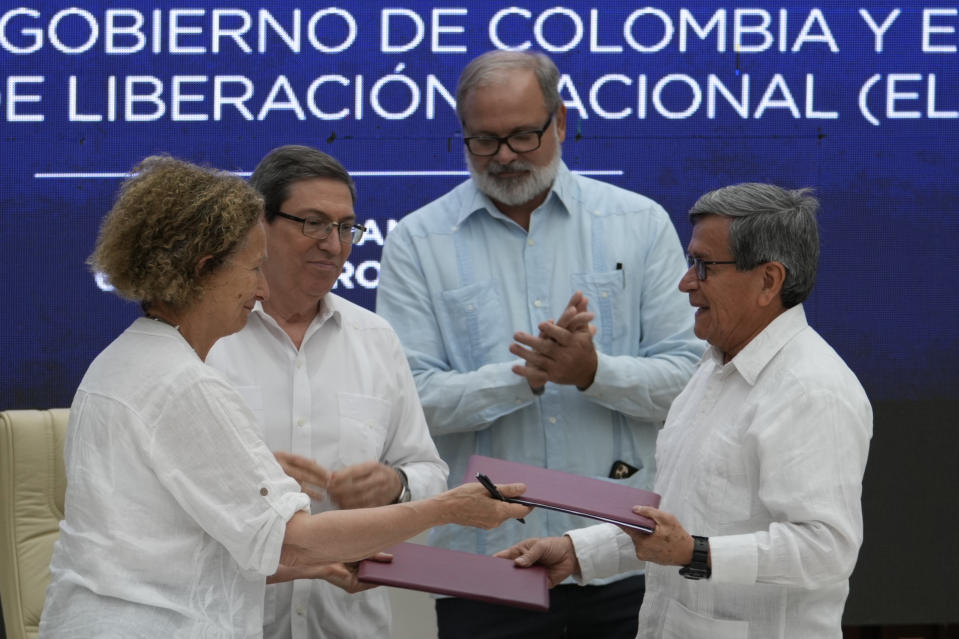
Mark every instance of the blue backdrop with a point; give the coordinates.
(670, 101)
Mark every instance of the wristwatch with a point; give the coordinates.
(698, 568)
(404, 495)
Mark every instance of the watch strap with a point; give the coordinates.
(698, 568)
(405, 494)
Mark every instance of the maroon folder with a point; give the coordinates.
(461, 574)
(608, 501)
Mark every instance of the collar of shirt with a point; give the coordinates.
(159, 328)
(329, 308)
(754, 357)
(561, 192)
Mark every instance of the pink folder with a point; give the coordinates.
(608, 501)
(461, 574)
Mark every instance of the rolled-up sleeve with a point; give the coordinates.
(226, 479)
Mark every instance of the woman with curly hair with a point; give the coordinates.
(176, 511)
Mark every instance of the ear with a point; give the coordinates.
(201, 265)
(773, 276)
(561, 122)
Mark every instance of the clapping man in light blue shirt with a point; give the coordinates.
(471, 282)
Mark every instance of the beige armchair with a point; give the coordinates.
(32, 486)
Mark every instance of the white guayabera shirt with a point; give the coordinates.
(345, 396)
(175, 508)
(765, 456)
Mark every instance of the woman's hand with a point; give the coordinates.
(342, 575)
(471, 505)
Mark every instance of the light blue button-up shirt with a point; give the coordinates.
(458, 279)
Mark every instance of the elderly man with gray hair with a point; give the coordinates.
(762, 454)
(523, 242)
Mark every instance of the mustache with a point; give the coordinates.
(495, 168)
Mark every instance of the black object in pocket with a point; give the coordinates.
(622, 470)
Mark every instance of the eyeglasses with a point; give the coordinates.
(521, 142)
(701, 265)
(319, 228)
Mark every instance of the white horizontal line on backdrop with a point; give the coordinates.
(106, 175)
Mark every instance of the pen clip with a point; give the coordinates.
(490, 486)
(496, 494)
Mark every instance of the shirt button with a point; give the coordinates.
(264, 491)
(299, 363)
(530, 242)
(300, 422)
(537, 303)
(552, 420)
(299, 610)
(604, 294)
(469, 307)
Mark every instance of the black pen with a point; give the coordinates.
(496, 494)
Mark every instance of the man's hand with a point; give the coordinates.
(364, 485)
(556, 553)
(312, 477)
(561, 355)
(341, 575)
(535, 377)
(578, 303)
(669, 545)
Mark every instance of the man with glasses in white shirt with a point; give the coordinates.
(522, 242)
(329, 384)
(761, 460)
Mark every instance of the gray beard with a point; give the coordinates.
(515, 191)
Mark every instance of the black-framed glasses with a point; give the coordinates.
(485, 146)
(319, 228)
(701, 265)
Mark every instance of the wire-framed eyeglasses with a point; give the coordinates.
(485, 146)
(701, 265)
(319, 228)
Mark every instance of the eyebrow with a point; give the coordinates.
(308, 213)
(528, 128)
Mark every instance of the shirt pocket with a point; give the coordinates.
(606, 292)
(682, 623)
(364, 426)
(473, 319)
(726, 483)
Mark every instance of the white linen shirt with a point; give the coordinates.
(175, 509)
(345, 397)
(765, 456)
